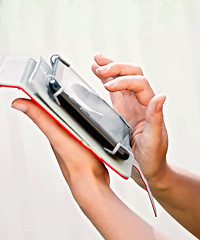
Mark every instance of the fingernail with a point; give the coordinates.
(19, 106)
(159, 106)
(102, 69)
(98, 70)
(110, 84)
(109, 79)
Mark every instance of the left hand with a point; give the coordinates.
(75, 161)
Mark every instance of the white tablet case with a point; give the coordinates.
(26, 74)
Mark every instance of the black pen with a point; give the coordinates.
(81, 115)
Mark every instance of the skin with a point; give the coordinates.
(133, 98)
(89, 181)
(175, 189)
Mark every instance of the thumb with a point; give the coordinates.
(47, 125)
(154, 116)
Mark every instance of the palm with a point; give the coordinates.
(127, 105)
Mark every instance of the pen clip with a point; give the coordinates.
(57, 92)
(56, 56)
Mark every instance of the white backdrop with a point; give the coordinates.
(162, 36)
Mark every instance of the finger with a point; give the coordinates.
(138, 84)
(48, 126)
(63, 144)
(118, 69)
(94, 68)
(154, 117)
(101, 59)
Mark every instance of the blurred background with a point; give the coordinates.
(161, 36)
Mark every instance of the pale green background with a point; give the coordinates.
(162, 36)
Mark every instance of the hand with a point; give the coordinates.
(89, 181)
(75, 161)
(133, 98)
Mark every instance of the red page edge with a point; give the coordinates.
(66, 130)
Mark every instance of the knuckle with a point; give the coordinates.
(139, 69)
(93, 66)
(144, 80)
(111, 66)
(158, 120)
(35, 115)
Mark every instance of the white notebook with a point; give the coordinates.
(33, 78)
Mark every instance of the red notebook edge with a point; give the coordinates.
(102, 160)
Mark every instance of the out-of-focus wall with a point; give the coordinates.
(162, 36)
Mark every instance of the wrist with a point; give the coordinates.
(160, 182)
(79, 168)
(86, 186)
(87, 175)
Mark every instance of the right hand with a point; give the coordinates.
(133, 98)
